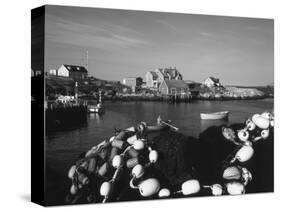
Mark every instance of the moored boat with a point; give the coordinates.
(214, 116)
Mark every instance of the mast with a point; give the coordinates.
(87, 60)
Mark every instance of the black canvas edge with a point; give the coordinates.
(37, 107)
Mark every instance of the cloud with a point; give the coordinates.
(101, 35)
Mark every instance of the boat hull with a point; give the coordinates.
(214, 116)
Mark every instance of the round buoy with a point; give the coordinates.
(132, 162)
(265, 134)
(117, 161)
(243, 135)
(190, 187)
(164, 192)
(216, 189)
(153, 156)
(105, 189)
(244, 154)
(149, 187)
(131, 140)
(235, 188)
(261, 122)
(231, 173)
(73, 189)
(71, 172)
(138, 145)
(138, 171)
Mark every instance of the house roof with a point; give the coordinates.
(176, 84)
(216, 80)
(154, 75)
(74, 68)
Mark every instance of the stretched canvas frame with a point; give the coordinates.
(97, 138)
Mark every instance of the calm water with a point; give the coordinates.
(62, 148)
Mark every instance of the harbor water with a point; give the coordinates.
(64, 147)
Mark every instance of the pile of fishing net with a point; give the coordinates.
(136, 164)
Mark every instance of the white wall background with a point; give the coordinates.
(15, 104)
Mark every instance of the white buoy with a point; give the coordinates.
(216, 189)
(71, 172)
(117, 161)
(190, 187)
(244, 154)
(243, 135)
(164, 192)
(261, 122)
(149, 187)
(231, 173)
(105, 189)
(235, 188)
(138, 145)
(73, 189)
(112, 138)
(138, 171)
(131, 140)
(265, 134)
(153, 156)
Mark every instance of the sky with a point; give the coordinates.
(123, 43)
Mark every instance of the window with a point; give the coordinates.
(173, 90)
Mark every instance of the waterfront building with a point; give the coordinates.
(212, 82)
(155, 78)
(53, 72)
(173, 87)
(73, 71)
(130, 81)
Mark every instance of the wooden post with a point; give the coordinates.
(76, 93)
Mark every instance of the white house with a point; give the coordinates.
(72, 71)
(130, 81)
(212, 82)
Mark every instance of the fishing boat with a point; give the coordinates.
(214, 116)
(99, 108)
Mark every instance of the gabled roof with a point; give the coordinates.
(74, 68)
(175, 83)
(216, 80)
(154, 75)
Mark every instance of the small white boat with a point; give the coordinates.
(96, 108)
(214, 116)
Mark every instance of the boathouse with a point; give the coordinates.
(173, 87)
(212, 82)
(73, 71)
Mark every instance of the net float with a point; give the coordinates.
(190, 187)
(138, 145)
(235, 188)
(133, 153)
(103, 169)
(250, 125)
(84, 165)
(264, 135)
(71, 172)
(164, 192)
(118, 144)
(138, 171)
(243, 135)
(272, 123)
(216, 189)
(83, 179)
(117, 161)
(92, 165)
(73, 189)
(231, 173)
(153, 156)
(112, 139)
(131, 129)
(244, 154)
(267, 115)
(246, 176)
(113, 152)
(105, 189)
(261, 122)
(132, 162)
(121, 135)
(149, 187)
(131, 140)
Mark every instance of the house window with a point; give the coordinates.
(173, 90)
